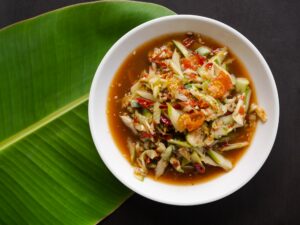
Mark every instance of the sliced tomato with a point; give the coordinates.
(193, 62)
(200, 59)
(191, 121)
(187, 64)
(220, 85)
(242, 110)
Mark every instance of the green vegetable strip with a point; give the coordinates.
(50, 171)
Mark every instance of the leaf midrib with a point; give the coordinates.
(42, 122)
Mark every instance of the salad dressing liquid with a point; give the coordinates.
(126, 76)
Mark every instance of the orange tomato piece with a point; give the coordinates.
(191, 121)
(192, 62)
(187, 64)
(220, 85)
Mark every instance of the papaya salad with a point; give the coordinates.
(186, 109)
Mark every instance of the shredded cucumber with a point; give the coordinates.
(134, 104)
(179, 143)
(128, 122)
(195, 138)
(156, 90)
(175, 64)
(222, 126)
(219, 57)
(156, 113)
(176, 164)
(146, 113)
(207, 160)
(203, 50)
(135, 87)
(160, 168)
(168, 152)
(145, 94)
(174, 116)
(131, 148)
(182, 49)
(220, 160)
(141, 160)
(247, 98)
(195, 158)
(235, 146)
(241, 84)
(236, 115)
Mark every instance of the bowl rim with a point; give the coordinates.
(239, 36)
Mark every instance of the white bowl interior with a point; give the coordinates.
(249, 164)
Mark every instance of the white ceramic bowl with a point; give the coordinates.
(254, 157)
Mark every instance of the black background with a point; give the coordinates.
(273, 195)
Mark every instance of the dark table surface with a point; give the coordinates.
(273, 195)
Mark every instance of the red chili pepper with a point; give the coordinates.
(148, 160)
(145, 103)
(200, 59)
(166, 137)
(186, 63)
(242, 110)
(165, 120)
(199, 168)
(191, 102)
(161, 64)
(228, 113)
(163, 106)
(175, 164)
(208, 65)
(187, 42)
(192, 76)
(146, 135)
(177, 106)
(193, 61)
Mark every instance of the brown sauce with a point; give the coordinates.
(125, 77)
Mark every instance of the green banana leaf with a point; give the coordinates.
(50, 171)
